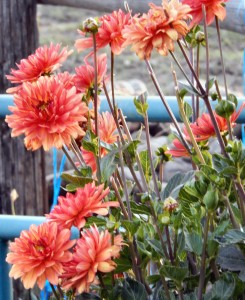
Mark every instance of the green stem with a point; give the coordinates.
(197, 72)
(203, 259)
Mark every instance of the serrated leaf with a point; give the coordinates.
(142, 249)
(231, 258)
(193, 242)
(107, 166)
(233, 236)
(140, 209)
(191, 89)
(90, 142)
(145, 162)
(76, 181)
(156, 245)
(188, 110)
(133, 290)
(177, 274)
(141, 107)
(131, 226)
(132, 148)
(98, 221)
(123, 264)
(223, 289)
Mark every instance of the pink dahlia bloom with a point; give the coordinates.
(39, 254)
(73, 209)
(84, 79)
(107, 134)
(47, 113)
(109, 33)
(44, 61)
(67, 79)
(93, 253)
(158, 29)
(213, 8)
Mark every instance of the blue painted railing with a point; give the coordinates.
(11, 226)
(156, 110)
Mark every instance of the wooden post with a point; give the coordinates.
(19, 169)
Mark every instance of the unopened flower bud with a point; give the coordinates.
(90, 25)
(170, 204)
(214, 96)
(200, 37)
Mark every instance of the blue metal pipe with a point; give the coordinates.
(10, 228)
(156, 110)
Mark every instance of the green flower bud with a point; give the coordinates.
(90, 25)
(211, 198)
(200, 37)
(225, 108)
(164, 218)
(214, 96)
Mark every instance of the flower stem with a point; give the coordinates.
(70, 159)
(197, 72)
(165, 103)
(203, 259)
(96, 107)
(54, 292)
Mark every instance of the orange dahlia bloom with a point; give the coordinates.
(47, 113)
(73, 209)
(213, 8)
(158, 29)
(203, 128)
(93, 253)
(179, 150)
(38, 254)
(44, 61)
(109, 33)
(107, 134)
(84, 80)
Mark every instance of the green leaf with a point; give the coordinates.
(98, 221)
(140, 209)
(188, 110)
(133, 290)
(132, 148)
(191, 89)
(107, 166)
(142, 249)
(123, 264)
(141, 106)
(177, 274)
(90, 142)
(156, 245)
(152, 279)
(131, 226)
(76, 181)
(193, 242)
(145, 162)
(159, 293)
(231, 258)
(224, 288)
(211, 83)
(233, 236)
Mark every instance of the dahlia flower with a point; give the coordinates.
(109, 33)
(203, 128)
(213, 8)
(158, 29)
(73, 209)
(179, 150)
(94, 252)
(47, 113)
(107, 134)
(84, 79)
(44, 61)
(38, 254)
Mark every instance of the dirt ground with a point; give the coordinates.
(59, 24)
